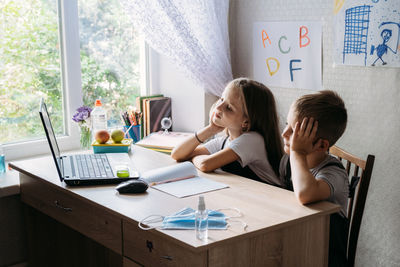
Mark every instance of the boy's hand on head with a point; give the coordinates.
(303, 137)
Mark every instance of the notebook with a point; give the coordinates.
(139, 105)
(164, 140)
(157, 109)
(180, 180)
(84, 169)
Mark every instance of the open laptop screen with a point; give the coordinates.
(44, 115)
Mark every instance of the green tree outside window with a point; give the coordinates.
(30, 63)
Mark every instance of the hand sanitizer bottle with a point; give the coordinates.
(201, 222)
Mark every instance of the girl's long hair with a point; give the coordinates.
(260, 108)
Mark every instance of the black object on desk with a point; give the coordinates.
(132, 186)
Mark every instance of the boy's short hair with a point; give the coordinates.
(326, 107)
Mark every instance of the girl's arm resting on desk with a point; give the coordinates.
(187, 150)
(190, 147)
(207, 163)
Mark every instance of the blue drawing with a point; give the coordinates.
(356, 31)
(383, 48)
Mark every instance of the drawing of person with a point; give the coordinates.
(383, 48)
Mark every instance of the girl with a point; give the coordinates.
(252, 146)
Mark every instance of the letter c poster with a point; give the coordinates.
(288, 54)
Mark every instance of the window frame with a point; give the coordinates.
(71, 85)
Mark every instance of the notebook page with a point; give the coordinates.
(190, 187)
(180, 170)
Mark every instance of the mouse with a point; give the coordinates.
(132, 186)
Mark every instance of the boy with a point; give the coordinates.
(314, 123)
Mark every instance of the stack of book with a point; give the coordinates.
(163, 141)
(154, 108)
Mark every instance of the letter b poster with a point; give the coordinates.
(288, 54)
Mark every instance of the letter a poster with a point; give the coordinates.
(288, 54)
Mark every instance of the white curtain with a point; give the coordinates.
(192, 33)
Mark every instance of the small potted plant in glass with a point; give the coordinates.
(82, 117)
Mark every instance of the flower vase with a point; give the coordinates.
(86, 137)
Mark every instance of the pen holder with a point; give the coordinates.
(133, 133)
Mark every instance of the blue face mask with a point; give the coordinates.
(185, 220)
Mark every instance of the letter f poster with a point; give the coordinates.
(288, 54)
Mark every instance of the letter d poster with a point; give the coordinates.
(288, 54)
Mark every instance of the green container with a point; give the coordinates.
(111, 147)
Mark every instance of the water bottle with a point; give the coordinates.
(2, 160)
(99, 117)
(201, 222)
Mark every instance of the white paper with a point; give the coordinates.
(180, 170)
(190, 187)
(288, 54)
(369, 34)
(182, 188)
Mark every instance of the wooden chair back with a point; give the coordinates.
(355, 167)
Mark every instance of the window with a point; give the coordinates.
(109, 57)
(30, 68)
(70, 53)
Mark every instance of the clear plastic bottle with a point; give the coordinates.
(2, 160)
(201, 222)
(99, 117)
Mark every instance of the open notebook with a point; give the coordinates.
(180, 180)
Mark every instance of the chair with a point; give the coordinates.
(358, 196)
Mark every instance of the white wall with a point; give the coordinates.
(371, 95)
(190, 105)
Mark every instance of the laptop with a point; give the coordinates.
(84, 169)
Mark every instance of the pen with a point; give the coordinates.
(124, 119)
(133, 117)
(138, 115)
(172, 180)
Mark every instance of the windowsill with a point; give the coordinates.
(9, 183)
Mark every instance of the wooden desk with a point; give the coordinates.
(280, 232)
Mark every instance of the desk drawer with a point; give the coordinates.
(151, 249)
(128, 263)
(73, 211)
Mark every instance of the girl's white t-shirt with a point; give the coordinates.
(251, 151)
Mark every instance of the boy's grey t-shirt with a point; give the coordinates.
(250, 148)
(334, 176)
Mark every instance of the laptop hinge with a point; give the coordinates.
(62, 167)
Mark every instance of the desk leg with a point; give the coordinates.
(51, 243)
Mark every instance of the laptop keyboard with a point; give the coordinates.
(94, 166)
